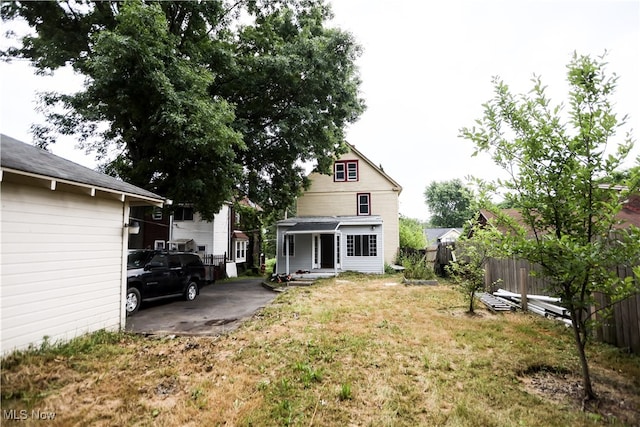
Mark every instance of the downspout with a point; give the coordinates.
(123, 264)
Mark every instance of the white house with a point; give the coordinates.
(192, 233)
(444, 235)
(64, 231)
(219, 238)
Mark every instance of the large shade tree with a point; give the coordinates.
(201, 100)
(450, 203)
(557, 163)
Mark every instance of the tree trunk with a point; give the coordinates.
(473, 294)
(588, 393)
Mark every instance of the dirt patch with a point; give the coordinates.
(558, 385)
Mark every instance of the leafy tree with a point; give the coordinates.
(472, 255)
(412, 233)
(449, 203)
(201, 100)
(568, 219)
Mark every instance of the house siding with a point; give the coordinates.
(302, 257)
(62, 264)
(325, 198)
(221, 231)
(364, 264)
(196, 229)
(213, 235)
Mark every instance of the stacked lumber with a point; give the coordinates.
(540, 304)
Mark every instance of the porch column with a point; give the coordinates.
(336, 249)
(286, 251)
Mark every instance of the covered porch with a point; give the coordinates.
(324, 246)
(312, 249)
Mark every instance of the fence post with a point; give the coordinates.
(523, 288)
(487, 277)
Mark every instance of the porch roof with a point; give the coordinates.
(325, 224)
(312, 227)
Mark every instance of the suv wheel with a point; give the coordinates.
(133, 301)
(191, 292)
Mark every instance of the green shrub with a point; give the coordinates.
(416, 267)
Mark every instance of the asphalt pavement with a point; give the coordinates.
(220, 308)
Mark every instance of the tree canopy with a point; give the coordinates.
(412, 233)
(557, 163)
(449, 202)
(202, 101)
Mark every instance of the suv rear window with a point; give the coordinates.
(137, 259)
(191, 260)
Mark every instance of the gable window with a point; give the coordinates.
(364, 204)
(183, 213)
(292, 245)
(345, 170)
(362, 245)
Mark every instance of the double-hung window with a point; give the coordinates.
(345, 170)
(364, 203)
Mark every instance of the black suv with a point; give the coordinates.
(158, 274)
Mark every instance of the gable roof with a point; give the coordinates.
(629, 215)
(434, 234)
(393, 182)
(23, 159)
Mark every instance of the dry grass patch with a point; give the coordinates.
(348, 351)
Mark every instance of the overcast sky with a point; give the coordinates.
(426, 69)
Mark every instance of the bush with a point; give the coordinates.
(416, 267)
(269, 265)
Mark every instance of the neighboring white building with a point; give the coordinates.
(441, 235)
(191, 233)
(217, 239)
(64, 233)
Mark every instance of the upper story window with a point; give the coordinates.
(157, 214)
(364, 204)
(183, 213)
(345, 170)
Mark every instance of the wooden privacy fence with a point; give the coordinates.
(621, 328)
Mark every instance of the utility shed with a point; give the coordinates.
(64, 233)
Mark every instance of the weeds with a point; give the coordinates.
(345, 392)
(346, 349)
(417, 268)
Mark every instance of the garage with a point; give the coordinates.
(64, 242)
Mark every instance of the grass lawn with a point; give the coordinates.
(355, 350)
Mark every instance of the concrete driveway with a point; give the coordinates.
(220, 308)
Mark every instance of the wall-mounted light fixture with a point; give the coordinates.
(133, 227)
